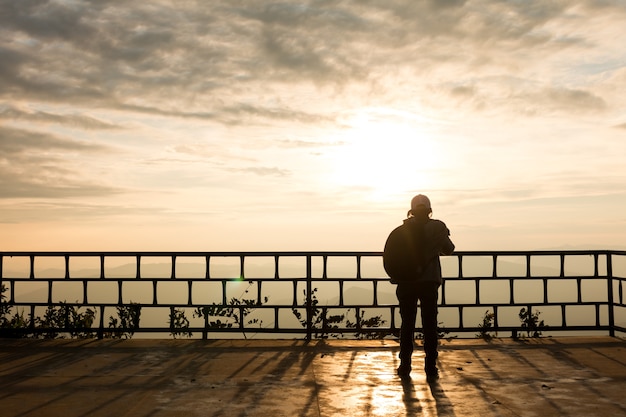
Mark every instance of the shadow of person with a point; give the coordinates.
(442, 402)
(409, 397)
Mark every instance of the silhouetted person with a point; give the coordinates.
(424, 239)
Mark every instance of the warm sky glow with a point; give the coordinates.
(386, 152)
(243, 125)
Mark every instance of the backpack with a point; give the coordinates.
(404, 252)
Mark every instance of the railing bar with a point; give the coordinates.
(276, 275)
(495, 317)
(67, 267)
(101, 266)
(477, 289)
(138, 266)
(610, 295)
(309, 300)
(614, 298)
(295, 294)
(312, 253)
(32, 318)
(375, 291)
(276, 319)
(341, 301)
(101, 326)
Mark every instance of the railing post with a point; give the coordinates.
(1, 273)
(309, 299)
(67, 266)
(32, 266)
(609, 283)
(138, 266)
(101, 324)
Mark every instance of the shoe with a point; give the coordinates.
(404, 371)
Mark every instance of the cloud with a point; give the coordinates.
(574, 99)
(65, 210)
(48, 185)
(269, 171)
(71, 120)
(243, 97)
(297, 144)
(224, 60)
(23, 142)
(35, 165)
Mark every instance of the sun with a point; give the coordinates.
(386, 153)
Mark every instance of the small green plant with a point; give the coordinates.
(10, 324)
(487, 326)
(370, 323)
(531, 323)
(5, 308)
(213, 315)
(325, 326)
(13, 324)
(179, 323)
(322, 324)
(217, 316)
(60, 320)
(127, 321)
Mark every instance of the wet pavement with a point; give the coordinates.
(567, 376)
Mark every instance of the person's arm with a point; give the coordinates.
(447, 247)
(441, 243)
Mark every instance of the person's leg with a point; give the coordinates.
(407, 299)
(428, 302)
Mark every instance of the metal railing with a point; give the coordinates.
(310, 294)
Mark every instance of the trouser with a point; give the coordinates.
(408, 295)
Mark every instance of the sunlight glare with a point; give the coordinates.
(386, 154)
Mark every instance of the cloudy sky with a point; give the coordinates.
(252, 125)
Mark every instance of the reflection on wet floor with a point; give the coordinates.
(547, 377)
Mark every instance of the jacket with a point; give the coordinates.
(435, 241)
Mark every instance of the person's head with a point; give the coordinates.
(420, 206)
